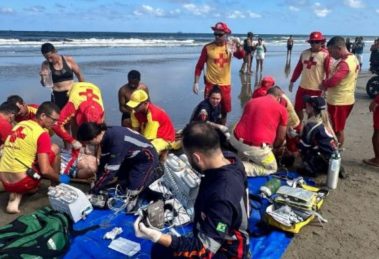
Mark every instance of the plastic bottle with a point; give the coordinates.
(333, 170)
(47, 79)
(270, 187)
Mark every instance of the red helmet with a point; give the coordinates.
(220, 26)
(316, 35)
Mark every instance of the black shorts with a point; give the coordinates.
(125, 115)
(289, 47)
(59, 98)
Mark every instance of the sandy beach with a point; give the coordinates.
(352, 230)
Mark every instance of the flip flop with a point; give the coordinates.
(369, 162)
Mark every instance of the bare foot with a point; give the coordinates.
(372, 162)
(13, 203)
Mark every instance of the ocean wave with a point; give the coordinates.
(96, 42)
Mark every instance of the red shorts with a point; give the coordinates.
(299, 99)
(292, 142)
(376, 119)
(338, 116)
(226, 99)
(23, 186)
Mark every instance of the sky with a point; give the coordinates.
(332, 17)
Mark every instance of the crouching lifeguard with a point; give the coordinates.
(28, 156)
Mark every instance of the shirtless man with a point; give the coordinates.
(62, 70)
(124, 93)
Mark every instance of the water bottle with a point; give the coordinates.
(231, 44)
(270, 187)
(333, 170)
(47, 79)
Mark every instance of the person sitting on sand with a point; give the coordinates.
(28, 155)
(27, 111)
(85, 104)
(210, 108)
(7, 114)
(125, 154)
(374, 107)
(124, 93)
(151, 121)
(318, 141)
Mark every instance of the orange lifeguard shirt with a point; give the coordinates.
(26, 140)
(155, 124)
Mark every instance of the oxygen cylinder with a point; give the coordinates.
(333, 170)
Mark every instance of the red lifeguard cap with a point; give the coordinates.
(267, 82)
(220, 26)
(316, 36)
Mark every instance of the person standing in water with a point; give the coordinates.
(62, 70)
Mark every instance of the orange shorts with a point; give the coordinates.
(376, 119)
(226, 99)
(338, 116)
(299, 99)
(23, 186)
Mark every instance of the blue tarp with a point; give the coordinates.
(272, 244)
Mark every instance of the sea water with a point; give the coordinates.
(166, 62)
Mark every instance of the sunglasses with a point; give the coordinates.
(52, 118)
(218, 34)
(315, 42)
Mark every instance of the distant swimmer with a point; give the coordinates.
(124, 93)
(289, 46)
(62, 70)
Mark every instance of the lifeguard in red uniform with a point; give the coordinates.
(217, 56)
(85, 104)
(313, 66)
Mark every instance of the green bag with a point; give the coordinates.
(43, 234)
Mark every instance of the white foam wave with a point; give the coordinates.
(95, 42)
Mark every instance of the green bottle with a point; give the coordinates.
(270, 187)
